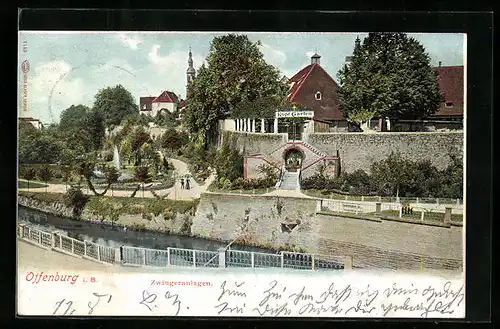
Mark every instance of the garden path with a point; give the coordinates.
(174, 193)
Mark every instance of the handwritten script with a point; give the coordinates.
(259, 296)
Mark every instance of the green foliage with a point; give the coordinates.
(236, 77)
(390, 76)
(111, 174)
(81, 128)
(73, 118)
(115, 103)
(28, 173)
(37, 146)
(393, 176)
(45, 174)
(172, 140)
(229, 160)
(141, 174)
(75, 199)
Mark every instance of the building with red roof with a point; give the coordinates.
(35, 122)
(312, 88)
(166, 101)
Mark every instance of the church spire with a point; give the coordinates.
(191, 72)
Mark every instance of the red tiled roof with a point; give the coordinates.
(305, 84)
(451, 83)
(145, 103)
(166, 97)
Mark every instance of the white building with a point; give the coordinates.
(166, 101)
(35, 122)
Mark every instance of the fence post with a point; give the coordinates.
(20, 230)
(282, 259)
(252, 259)
(60, 241)
(85, 248)
(437, 200)
(168, 256)
(447, 215)
(52, 240)
(40, 237)
(143, 256)
(118, 257)
(312, 262)
(418, 199)
(348, 263)
(194, 258)
(346, 197)
(98, 252)
(222, 257)
(379, 198)
(400, 212)
(458, 202)
(319, 205)
(422, 215)
(378, 208)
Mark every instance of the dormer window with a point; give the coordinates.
(317, 96)
(448, 104)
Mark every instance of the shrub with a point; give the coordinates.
(75, 199)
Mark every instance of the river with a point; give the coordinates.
(115, 236)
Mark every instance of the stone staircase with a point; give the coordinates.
(289, 181)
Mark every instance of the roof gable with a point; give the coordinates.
(304, 86)
(451, 84)
(145, 103)
(165, 97)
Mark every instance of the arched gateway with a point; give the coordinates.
(294, 159)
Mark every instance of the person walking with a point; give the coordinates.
(187, 183)
(182, 183)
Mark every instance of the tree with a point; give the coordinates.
(141, 174)
(138, 138)
(74, 117)
(66, 174)
(171, 140)
(236, 74)
(75, 199)
(115, 103)
(94, 123)
(28, 173)
(112, 174)
(229, 161)
(45, 174)
(390, 76)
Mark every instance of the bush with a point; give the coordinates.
(75, 199)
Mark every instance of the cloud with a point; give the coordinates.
(171, 69)
(129, 40)
(52, 81)
(273, 56)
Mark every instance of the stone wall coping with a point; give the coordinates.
(347, 215)
(415, 221)
(386, 133)
(259, 196)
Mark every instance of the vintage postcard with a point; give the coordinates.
(241, 174)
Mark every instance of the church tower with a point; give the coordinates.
(190, 73)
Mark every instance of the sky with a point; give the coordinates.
(69, 68)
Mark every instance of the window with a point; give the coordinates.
(318, 96)
(448, 104)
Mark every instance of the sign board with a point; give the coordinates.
(295, 114)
